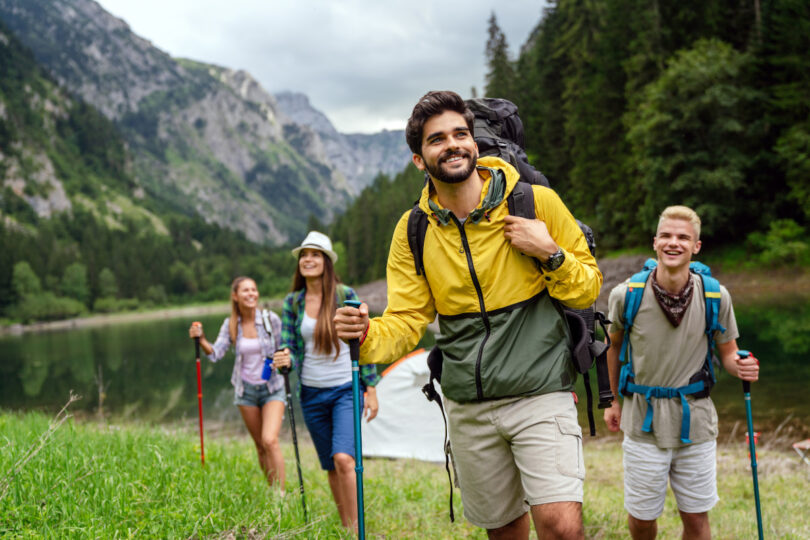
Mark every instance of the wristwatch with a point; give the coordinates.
(554, 260)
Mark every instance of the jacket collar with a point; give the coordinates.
(499, 179)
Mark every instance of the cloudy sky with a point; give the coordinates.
(364, 63)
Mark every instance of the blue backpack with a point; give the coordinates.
(701, 382)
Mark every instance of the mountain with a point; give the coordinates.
(57, 153)
(204, 139)
(360, 157)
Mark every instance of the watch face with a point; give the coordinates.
(555, 260)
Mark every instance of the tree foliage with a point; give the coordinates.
(631, 105)
(500, 71)
(692, 135)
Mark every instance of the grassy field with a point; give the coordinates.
(62, 478)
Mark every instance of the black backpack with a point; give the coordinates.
(498, 131)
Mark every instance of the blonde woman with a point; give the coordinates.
(324, 367)
(261, 402)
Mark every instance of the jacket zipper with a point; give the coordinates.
(479, 388)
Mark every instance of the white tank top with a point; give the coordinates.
(322, 370)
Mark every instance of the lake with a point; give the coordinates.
(146, 372)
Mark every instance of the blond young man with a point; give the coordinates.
(669, 346)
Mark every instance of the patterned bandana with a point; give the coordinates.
(673, 305)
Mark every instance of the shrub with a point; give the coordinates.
(110, 304)
(784, 243)
(47, 307)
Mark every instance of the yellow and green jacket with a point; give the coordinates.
(501, 334)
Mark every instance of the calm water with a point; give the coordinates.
(148, 373)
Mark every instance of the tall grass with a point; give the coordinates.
(105, 481)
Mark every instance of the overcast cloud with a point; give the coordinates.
(364, 63)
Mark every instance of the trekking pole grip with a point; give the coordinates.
(746, 384)
(354, 343)
(285, 372)
(197, 340)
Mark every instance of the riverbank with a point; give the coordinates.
(745, 286)
(91, 321)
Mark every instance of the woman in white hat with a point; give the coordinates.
(260, 400)
(324, 367)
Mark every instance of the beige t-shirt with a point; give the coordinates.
(664, 355)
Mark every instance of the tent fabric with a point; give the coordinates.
(407, 424)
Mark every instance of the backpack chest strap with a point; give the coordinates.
(662, 392)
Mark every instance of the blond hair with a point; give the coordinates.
(681, 212)
(232, 322)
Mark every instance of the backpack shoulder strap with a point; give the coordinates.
(632, 301)
(711, 296)
(417, 229)
(521, 201)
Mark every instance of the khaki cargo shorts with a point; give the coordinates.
(515, 452)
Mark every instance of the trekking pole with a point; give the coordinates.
(354, 351)
(285, 371)
(199, 396)
(752, 443)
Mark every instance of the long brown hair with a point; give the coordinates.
(235, 306)
(325, 336)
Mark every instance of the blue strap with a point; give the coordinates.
(632, 301)
(667, 393)
(711, 295)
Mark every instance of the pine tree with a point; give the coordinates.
(500, 76)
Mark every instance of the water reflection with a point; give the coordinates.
(146, 371)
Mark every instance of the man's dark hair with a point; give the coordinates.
(431, 104)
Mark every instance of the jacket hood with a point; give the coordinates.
(499, 180)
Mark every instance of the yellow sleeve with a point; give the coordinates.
(410, 306)
(577, 281)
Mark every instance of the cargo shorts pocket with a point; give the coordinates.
(570, 461)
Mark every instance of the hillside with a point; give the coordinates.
(58, 155)
(204, 139)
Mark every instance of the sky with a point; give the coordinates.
(363, 63)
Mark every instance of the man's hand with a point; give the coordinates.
(613, 416)
(747, 368)
(351, 323)
(529, 236)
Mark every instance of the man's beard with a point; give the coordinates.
(456, 177)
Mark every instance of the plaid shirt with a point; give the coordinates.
(291, 333)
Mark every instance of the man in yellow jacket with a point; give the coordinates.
(496, 282)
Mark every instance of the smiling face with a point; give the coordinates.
(246, 295)
(310, 263)
(449, 153)
(675, 243)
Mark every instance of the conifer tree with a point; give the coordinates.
(500, 76)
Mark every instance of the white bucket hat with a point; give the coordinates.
(319, 241)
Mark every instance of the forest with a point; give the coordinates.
(630, 106)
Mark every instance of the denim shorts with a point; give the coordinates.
(329, 415)
(256, 395)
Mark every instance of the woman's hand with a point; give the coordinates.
(370, 405)
(196, 330)
(281, 358)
